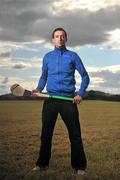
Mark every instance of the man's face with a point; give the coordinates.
(59, 39)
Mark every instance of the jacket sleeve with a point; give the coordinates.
(84, 75)
(43, 78)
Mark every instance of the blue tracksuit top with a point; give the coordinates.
(58, 73)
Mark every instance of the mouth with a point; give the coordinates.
(61, 42)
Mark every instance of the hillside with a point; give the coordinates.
(98, 95)
(90, 95)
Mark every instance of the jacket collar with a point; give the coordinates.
(61, 49)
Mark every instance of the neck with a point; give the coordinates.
(60, 47)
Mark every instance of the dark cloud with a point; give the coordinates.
(5, 81)
(17, 18)
(27, 20)
(2, 86)
(5, 55)
(19, 66)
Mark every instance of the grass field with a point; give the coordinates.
(20, 125)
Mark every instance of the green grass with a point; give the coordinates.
(20, 125)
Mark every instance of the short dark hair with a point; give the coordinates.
(59, 29)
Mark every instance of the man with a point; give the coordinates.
(58, 73)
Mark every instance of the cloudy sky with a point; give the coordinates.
(93, 28)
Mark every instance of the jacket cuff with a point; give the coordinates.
(79, 93)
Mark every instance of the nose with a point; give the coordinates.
(61, 38)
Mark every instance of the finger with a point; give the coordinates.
(76, 101)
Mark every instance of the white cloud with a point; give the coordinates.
(113, 69)
(29, 84)
(114, 39)
(97, 80)
(103, 79)
(91, 5)
(7, 63)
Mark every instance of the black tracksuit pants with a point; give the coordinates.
(70, 116)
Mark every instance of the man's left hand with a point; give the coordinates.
(77, 99)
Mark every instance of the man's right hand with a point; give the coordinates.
(34, 92)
